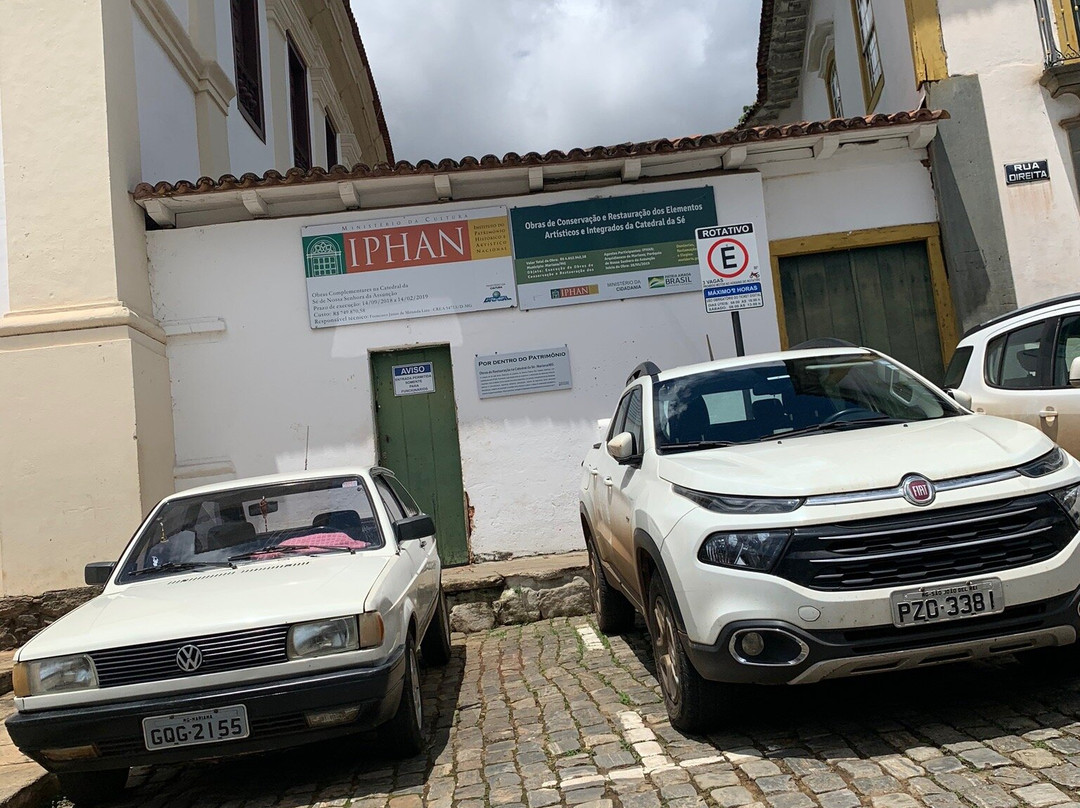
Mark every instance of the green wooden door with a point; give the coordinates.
(417, 437)
(880, 297)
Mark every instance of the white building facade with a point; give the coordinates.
(145, 89)
(1005, 163)
(256, 388)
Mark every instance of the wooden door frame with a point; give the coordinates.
(928, 233)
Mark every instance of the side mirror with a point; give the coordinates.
(962, 398)
(414, 527)
(98, 573)
(622, 447)
(1074, 373)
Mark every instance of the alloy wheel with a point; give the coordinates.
(666, 648)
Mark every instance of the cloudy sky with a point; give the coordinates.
(473, 77)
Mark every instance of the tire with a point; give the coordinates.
(403, 734)
(614, 613)
(691, 701)
(435, 647)
(92, 788)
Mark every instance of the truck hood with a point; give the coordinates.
(266, 593)
(864, 458)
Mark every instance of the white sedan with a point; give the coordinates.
(246, 616)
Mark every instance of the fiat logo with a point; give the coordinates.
(918, 490)
(189, 658)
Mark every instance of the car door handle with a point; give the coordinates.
(608, 481)
(1049, 413)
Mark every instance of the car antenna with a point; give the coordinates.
(709, 343)
(307, 443)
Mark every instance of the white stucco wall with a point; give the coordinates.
(249, 394)
(168, 137)
(999, 41)
(855, 189)
(4, 301)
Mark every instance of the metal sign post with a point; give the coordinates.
(736, 326)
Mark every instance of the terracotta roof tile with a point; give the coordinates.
(730, 137)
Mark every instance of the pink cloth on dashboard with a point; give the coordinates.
(324, 539)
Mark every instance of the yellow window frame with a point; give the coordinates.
(836, 105)
(927, 48)
(871, 94)
(1068, 40)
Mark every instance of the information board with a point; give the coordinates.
(512, 374)
(609, 248)
(393, 269)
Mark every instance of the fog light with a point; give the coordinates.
(70, 753)
(752, 644)
(331, 718)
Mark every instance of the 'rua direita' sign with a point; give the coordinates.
(1016, 173)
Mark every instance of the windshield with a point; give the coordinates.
(761, 402)
(228, 528)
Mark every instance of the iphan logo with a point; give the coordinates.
(496, 297)
(575, 291)
(656, 282)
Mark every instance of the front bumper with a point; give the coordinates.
(851, 652)
(276, 716)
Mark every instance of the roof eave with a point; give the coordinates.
(384, 186)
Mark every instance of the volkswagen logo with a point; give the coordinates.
(918, 490)
(189, 658)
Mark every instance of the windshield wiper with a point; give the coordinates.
(695, 445)
(179, 566)
(291, 548)
(831, 426)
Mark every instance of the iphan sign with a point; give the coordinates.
(409, 266)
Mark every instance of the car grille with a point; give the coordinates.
(926, 546)
(156, 661)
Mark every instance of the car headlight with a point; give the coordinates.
(720, 503)
(335, 636)
(1052, 461)
(55, 675)
(757, 550)
(1069, 500)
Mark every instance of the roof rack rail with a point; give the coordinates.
(824, 342)
(1053, 301)
(644, 369)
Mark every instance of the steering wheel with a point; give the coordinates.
(836, 416)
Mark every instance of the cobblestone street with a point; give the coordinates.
(552, 713)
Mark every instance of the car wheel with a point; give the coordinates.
(435, 647)
(614, 614)
(92, 788)
(691, 701)
(403, 734)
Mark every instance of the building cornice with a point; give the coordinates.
(78, 318)
(200, 73)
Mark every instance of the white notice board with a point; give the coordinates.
(512, 374)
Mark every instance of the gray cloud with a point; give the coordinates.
(460, 77)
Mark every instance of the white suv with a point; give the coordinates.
(798, 516)
(1025, 365)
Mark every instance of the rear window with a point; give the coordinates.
(957, 366)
